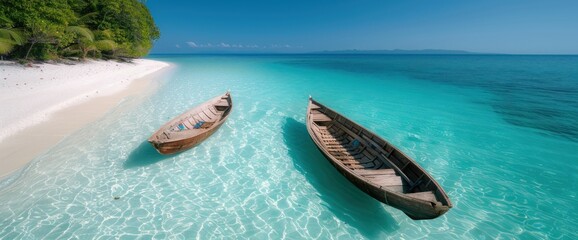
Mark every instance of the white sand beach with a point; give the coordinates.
(43, 103)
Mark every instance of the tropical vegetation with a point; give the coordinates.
(56, 29)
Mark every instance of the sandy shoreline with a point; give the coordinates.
(43, 104)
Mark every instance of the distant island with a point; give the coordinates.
(397, 51)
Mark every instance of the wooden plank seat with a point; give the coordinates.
(192, 121)
(346, 155)
(187, 124)
(427, 196)
(337, 149)
(334, 137)
(320, 117)
(213, 110)
(209, 114)
(346, 158)
(341, 149)
(388, 181)
(356, 153)
(338, 145)
(360, 161)
(326, 141)
(354, 166)
(322, 129)
(369, 172)
(203, 117)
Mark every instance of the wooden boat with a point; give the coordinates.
(193, 126)
(374, 165)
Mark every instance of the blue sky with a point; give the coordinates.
(488, 26)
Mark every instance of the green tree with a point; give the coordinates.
(50, 29)
(131, 24)
(43, 24)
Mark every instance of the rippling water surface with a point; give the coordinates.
(499, 133)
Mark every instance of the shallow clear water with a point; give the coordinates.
(499, 133)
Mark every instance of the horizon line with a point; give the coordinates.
(425, 51)
(361, 53)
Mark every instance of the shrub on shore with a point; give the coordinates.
(48, 30)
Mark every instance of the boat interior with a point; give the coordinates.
(369, 156)
(205, 118)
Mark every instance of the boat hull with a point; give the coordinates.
(432, 201)
(183, 144)
(192, 127)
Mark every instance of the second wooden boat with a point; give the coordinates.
(193, 126)
(374, 165)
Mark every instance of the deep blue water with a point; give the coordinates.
(498, 132)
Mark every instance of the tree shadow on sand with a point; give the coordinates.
(341, 197)
(144, 155)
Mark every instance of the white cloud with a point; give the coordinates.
(279, 46)
(237, 46)
(178, 46)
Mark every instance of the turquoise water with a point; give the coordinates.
(499, 133)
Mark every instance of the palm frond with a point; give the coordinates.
(81, 31)
(14, 35)
(5, 47)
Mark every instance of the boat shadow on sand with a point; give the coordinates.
(341, 197)
(144, 155)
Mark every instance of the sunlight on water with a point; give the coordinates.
(260, 176)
